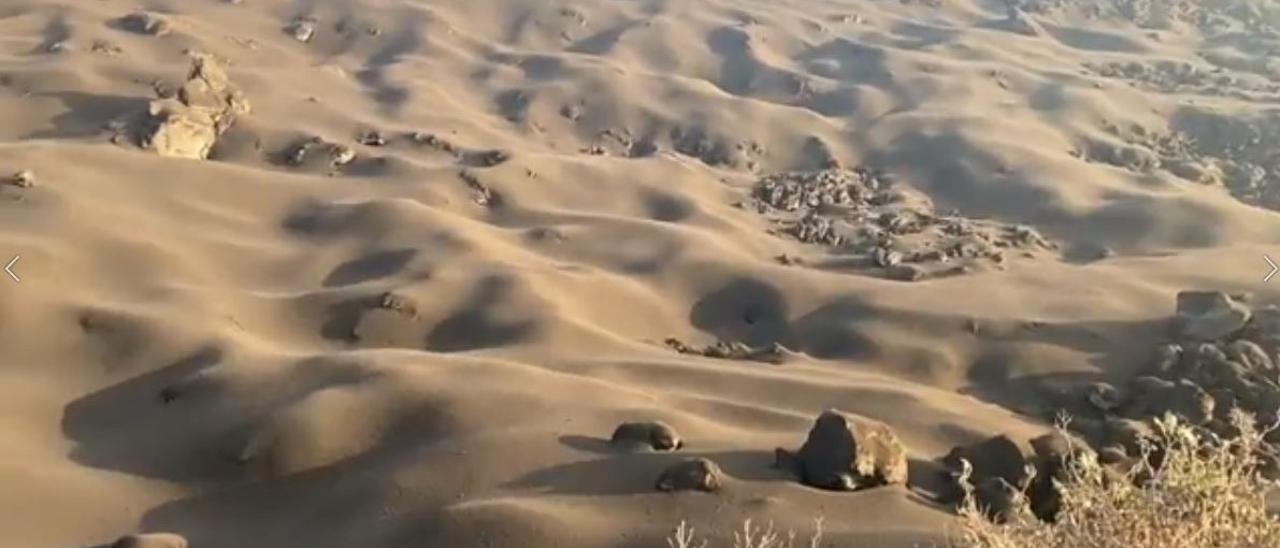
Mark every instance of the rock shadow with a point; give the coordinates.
(668, 208)
(738, 68)
(1004, 375)
(88, 114)
(589, 444)
(274, 512)
(745, 310)
(634, 473)
(482, 321)
(920, 36)
(55, 33)
(603, 42)
(1096, 41)
(513, 104)
(342, 319)
(177, 423)
(1003, 364)
(406, 39)
(370, 266)
(323, 221)
(129, 427)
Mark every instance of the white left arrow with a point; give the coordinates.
(8, 269)
(1274, 268)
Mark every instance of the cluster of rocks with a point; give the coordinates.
(1184, 77)
(1261, 70)
(431, 140)
(1158, 14)
(1245, 69)
(1224, 356)
(611, 142)
(717, 151)
(693, 474)
(733, 350)
(1041, 6)
(1141, 150)
(1209, 17)
(305, 28)
(894, 229)
(205, 107)
(1241, 149)
(1002, 474)
(848, 452)
(842, 451)
(308, 150)
(696, 142)
(314, 153)
(1139, 12)
(474, 158)
(481, 194)
(1204, 147)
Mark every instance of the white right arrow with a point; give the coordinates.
(1274, 269)
(8, 269)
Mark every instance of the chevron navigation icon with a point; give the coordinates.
(8, 269)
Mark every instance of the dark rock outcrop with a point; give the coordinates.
(691, 475)
(846, 452)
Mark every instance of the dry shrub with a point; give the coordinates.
(750, 536)
(1206, 492)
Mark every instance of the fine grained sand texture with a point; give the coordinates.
(412, 291)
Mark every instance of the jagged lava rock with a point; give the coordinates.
(1055, 453)
(206, 106)
(998, 456)
(177, 133)
(1154, 397)
(1209, 315)
(301, 30)
(997, 499)
(847, 452)
(691, 475)
(1251, 355)
(1103, 396)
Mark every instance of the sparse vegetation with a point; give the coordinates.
(750, 536)
(1192, 490)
